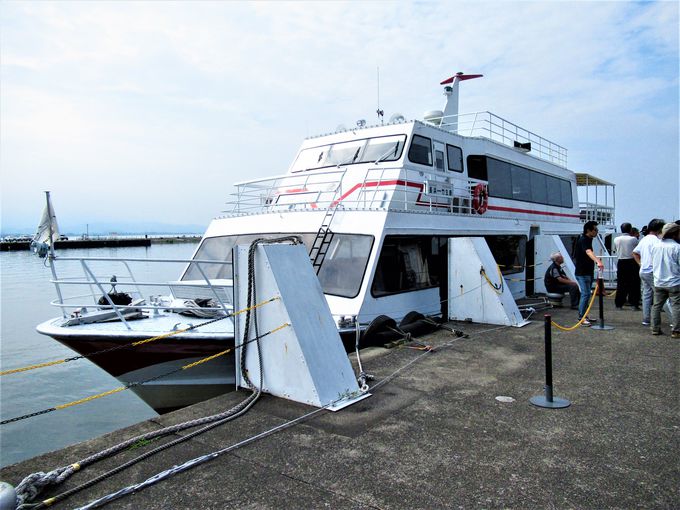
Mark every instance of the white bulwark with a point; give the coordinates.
(305, 361)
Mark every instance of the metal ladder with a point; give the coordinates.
(324, 236)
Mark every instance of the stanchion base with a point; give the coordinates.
(557, 402)
(603, 327)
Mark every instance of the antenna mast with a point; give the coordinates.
(379, 111)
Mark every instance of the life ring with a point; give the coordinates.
(480, 198)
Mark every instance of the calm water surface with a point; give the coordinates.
(25, 294)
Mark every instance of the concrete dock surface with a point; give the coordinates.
(434, 435)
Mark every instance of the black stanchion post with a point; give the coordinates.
(600, 288)
(548, 400)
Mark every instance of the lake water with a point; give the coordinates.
(25, 294)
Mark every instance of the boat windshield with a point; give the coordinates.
(367, 150)
(341, 273)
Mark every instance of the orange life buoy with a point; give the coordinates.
(480, 198)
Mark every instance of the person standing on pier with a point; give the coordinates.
(627, 275)
(643, 256)
(666, 263)
(585, 260)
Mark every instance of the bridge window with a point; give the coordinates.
(386, 148)
(421, 150)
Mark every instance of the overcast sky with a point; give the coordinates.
(149, 111)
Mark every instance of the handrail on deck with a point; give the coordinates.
(489, 125)
(96, 283)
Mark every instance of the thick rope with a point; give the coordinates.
(585, 315)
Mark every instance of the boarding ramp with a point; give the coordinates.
(477, 290)
(544, 246)
(304, 361)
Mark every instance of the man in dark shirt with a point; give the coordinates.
(556, 280)
(585, 261)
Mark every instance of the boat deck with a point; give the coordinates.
(434, 435)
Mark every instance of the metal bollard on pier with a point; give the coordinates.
(601, 326)
(548, 400)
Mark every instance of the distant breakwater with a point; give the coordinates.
(102, 242)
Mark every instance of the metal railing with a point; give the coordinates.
(488, 125)
(603, 214)
(75, 306)
(377, 188)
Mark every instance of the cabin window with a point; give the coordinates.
(406, 263)
(455, 158)
(539, 187)
(516, 182)
(387, 148)
(500, 178)
(509, 252)
(421, 150)
(565, 191)
(439, 160)
(554, 191)
(341, 273)
(521, 183)
(477, 168)
(344, 266)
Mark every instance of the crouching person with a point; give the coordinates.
(556, 280)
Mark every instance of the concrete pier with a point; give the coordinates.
(434, 435)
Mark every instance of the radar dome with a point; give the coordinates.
(396, 118)
(434, 117)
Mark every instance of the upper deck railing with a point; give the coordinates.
(493, 127)
(389, 188)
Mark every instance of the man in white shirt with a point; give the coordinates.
(643, 256)
(627, 271)
(666, 263)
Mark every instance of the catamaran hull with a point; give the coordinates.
(155, 370)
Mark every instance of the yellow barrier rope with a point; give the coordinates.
(498, 290)
(592, 300)
(132, 344)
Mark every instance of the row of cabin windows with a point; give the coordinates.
(506, 180)
(515, 182)
(421, 152)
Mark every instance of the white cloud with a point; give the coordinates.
(157, 92)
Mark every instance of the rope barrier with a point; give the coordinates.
(498, 289)
(138, 383)
(133, 344)
(572, 328)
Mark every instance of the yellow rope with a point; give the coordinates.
(493, 285)
(32, 367)
(592, 300)
(133, 344)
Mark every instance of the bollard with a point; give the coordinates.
(600, 290)
(548, 400)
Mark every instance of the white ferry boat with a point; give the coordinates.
(375, 206)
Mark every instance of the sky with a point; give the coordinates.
(143, 113)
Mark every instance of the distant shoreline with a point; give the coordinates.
(104, 242)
